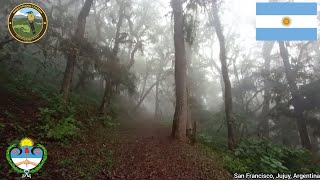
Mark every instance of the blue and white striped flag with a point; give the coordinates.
(286, 21)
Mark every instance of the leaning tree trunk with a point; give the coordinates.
(266, 53)
(146, 94)
(296, 97)
(180, 115)
(72, 54)
(226, 79)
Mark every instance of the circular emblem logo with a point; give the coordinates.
(286, 21)
(27, 23)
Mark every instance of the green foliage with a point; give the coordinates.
(212, 140)
(261, 156)
(85, 99)
(106, 120)
(109, 122)
(114, 108)
(64, 129)
(119, 76)
(212, 127)
(235, 164)
(298, 160)
(33, 76)
(258, 155)
(58, 119)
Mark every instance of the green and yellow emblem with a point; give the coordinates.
(27, 23)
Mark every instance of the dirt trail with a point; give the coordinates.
(142, 149)
(147, 152)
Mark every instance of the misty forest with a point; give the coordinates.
(166, 89)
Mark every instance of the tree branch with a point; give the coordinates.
(303, 48)
(255, 94)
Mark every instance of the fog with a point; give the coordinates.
(121, 54)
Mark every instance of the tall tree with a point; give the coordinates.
(266, 53)
(224, 68)
(113, 62)
(190, 26)
(77, 38)
(180, 115)
(297, 99)
(157, 103)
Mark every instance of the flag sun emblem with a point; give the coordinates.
(286, 21)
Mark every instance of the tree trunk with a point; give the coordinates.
(97, 22)
(189, 59)
(114, 62)
(106, 96)
(119, 24)
(240, 95)
(189, 119)
(180, 115)
(156, 110)
(266, 53)
(83, 75)
(226, 79)
(296, 97)
(135, 49)
(214, 65)
(144, 84)
(72, 55)
(68, 73)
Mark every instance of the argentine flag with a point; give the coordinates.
(286, 21)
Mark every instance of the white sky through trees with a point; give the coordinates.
(239, 17)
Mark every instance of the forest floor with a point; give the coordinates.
(138, 148)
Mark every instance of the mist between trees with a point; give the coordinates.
(193, 65)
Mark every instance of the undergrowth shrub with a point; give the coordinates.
(106, 120)
(234, 164)
(298, 160)
(212, 140)
(212, 131)
(58, 119)
(257, 155)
